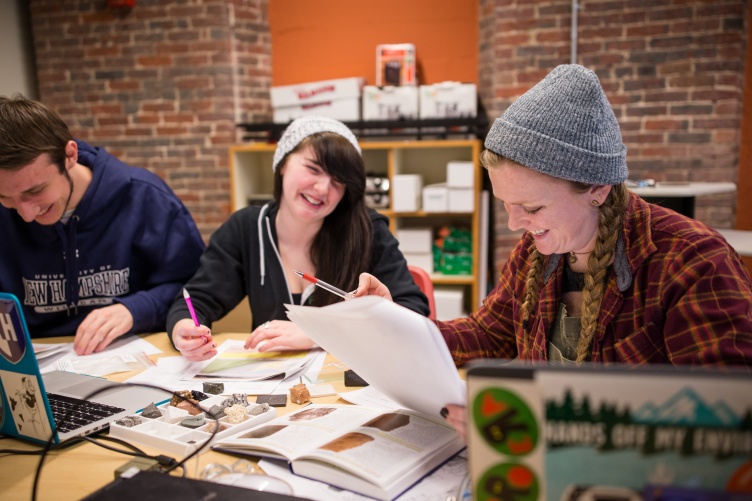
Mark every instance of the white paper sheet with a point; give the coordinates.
(126, 345)
(399, 352)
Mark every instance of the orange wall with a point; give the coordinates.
(325, 39)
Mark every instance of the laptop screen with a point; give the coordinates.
(613, 433)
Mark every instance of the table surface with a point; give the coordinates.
(81, 469)
(666, 189)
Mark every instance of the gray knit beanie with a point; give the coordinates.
(563, 127)
(303, 127)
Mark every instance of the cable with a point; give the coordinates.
(167, 463)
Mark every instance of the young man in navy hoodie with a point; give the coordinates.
(92, 247)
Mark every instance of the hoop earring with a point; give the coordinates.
(594, 203)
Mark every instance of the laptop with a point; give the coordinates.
(614, 433)
(58, 405)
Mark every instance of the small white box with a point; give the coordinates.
(448, 100)
(460, 174)
(461, 200)
(345, 110)
(420, 259)
(436, 198)
(390, 102)
(338, 99)
(395, 64)
(415, 240)
(406, 189)
(449, 301)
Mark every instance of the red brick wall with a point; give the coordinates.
(161, 86)
(672, 69)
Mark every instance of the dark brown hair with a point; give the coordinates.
(342, 247)
(29, 129)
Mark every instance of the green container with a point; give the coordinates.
(460, 263)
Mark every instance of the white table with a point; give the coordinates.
(681, 196)
(740, 240)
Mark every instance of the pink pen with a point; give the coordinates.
(190, 307)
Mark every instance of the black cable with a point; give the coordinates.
(167, 463)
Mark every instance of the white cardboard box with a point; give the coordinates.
(448, 100)
(395, 64)
(420, 259)
(415, 240)
(339, 99)
(460, 174)
(406, 190)
(346, 110)
(449, 301)
(461, 200)
(390, 102)
(436, 198)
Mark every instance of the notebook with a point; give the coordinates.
(608, 432)
(35, 407)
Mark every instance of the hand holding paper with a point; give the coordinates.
(399, 352)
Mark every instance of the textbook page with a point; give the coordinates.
(397, 351)
(376, 453)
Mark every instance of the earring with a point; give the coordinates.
(594, 203)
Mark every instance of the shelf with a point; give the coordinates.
(444, 127)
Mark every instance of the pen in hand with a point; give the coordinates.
(190, 307)
(324, 285)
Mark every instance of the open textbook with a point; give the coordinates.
(369, 451)
(397, 351)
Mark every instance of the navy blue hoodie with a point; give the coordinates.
(130, 239)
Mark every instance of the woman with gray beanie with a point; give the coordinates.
(318, 223)
(599, 275)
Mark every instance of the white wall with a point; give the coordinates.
(16, 56)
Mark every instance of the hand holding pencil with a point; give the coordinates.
(193, 340)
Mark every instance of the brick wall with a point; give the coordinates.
(672, 69)
(161, 86)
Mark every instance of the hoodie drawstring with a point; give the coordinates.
(262, 217)
(70, 255)
(262, 262)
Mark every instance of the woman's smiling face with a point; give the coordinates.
(308, 191)
(559, 218)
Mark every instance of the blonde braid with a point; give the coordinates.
(532, 286)
(610, 218)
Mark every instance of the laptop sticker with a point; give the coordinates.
(12, 341)
(26, 405)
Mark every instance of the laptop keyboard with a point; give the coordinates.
(72, 413)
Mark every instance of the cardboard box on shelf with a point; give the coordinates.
(448, 100)
(461, 174)
(420, 259)
(435, 198)
(449, 302)
(339, 99)
(415, 240)
(406, 190)
(395, 64)
(390, 102)
(461, 200)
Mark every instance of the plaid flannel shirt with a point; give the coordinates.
(683, 296)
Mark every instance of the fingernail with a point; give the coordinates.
(444, 412)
